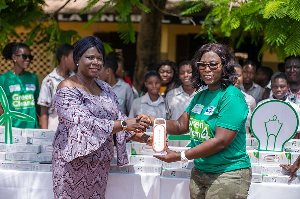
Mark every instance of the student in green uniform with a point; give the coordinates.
(216, 120)
(21, 87)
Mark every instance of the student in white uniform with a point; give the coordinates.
(179, 98)
(152, 103)
(120, 87)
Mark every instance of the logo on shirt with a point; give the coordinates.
(199, 130)
(30, 87)
(14, 88)
(26, 100)
(121, 101)
(197, 108)
(209, 110)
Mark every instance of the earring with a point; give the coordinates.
(77, 64)
(15, 60)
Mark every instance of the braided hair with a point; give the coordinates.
(12, 48)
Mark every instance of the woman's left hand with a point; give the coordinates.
(171, 156)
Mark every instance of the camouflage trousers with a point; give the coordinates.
(229, 185)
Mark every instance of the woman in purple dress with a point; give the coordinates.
(89, 115)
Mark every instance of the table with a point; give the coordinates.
(38, 185)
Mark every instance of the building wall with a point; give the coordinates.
(168, 44)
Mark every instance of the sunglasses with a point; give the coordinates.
(211, 65)
(25, 56)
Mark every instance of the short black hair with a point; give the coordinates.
(250, 62)
(63, 50)
(279, 75)
(186, 62)
(291, 58)
(267, 71)
(11, 48)
(152, 73)
(112, 63)
(237, 65)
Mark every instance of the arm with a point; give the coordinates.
(44, 117)
(221, 141)
(292, 169)
(174, 127)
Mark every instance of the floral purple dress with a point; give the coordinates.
(83, 144)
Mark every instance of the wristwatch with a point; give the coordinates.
(184, 160)
(123, 125)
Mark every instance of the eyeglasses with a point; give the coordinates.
(25, 56)
(211, 65)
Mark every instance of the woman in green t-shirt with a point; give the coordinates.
(21, 87)
(216, 120)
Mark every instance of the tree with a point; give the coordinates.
(277, 22)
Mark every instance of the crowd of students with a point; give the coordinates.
(167, 91)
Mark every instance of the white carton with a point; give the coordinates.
(176, 173)
(294, 157)
(123, 169)
(29, 148)
(40, 141)
(2, 155)
(42, 167)
(174, 165)
(20, 165)
(256, 168)
(38, 133)
(281, 179)
(144, 160)
(21, 156)
(256, 178)
(296, 150)
(146, 169)
(46, 147)
(273, 157)
(273, 170)
(253, 155)
(44, 157)
(293, 143)
(138, 148)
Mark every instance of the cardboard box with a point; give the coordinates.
(138, 148)
(174, 165)
(293, 143)
(256, 168)
(2, 156)
(39, 133)
(273, 170)
(176, 173)
(256, 178)
(144, 160)
(21, 156)
(294, 157)
(19, 148)
(42, 167)
(146, 169)
(281, 179)
(253, 155)
(44, 157)
(273, 157)
(123, 169)
(18, 165)
(46, 147)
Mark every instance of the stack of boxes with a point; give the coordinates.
(265, 164)
(31, 150)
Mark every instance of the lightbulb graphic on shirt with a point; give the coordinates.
(273, 127)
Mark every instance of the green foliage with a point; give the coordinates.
(276, 21)
(124, 8)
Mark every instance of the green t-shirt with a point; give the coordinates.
(227, 109)
(22, 91)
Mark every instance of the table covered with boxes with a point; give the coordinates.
(25, 170)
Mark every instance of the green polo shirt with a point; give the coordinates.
(21, 92)
(227, 109)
